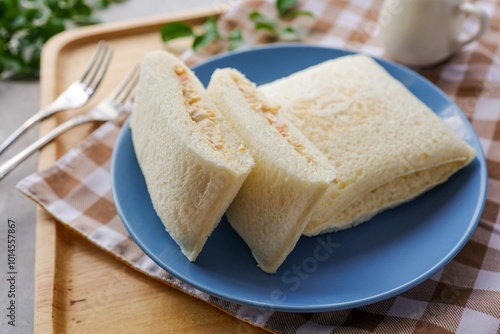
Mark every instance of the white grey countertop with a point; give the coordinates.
(18, 101)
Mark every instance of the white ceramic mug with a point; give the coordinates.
(426, 32)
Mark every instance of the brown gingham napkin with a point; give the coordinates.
(463, 297)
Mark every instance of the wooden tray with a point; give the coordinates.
(79, 288)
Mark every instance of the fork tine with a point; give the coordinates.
(100, 69)
(93, 59)
(124, 90)
(74, 96)
(131, 90)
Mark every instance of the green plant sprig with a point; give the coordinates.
(278, 30)
(287, 11)
(209, 32)
(25, 26)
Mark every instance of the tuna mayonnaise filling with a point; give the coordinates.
(201, 114)
(269, 112)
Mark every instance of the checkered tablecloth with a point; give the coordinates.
(463, 297)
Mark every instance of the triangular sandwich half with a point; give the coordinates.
(289, 178)
(192, 160)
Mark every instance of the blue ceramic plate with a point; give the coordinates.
(391, 253)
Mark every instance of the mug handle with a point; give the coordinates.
(482, 18)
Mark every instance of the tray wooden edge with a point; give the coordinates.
(46, 229)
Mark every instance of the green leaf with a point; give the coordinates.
(283, 6)
(26, 25)
(257, 17)
(13, 62)
(175, 30)
(81, 9)
(85, 20)
(289, 34)
(265, 26)
(211, 34)
(254, 15)
(202, 40)
(210, 27)
(102, 4)
(235, 39)
(263, 22)
(295, 13)
(289, 30)
(52, 27)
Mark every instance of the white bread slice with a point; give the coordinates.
(387, 145)
(290, 176)
(193, 169)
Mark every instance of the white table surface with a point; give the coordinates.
(19, 100)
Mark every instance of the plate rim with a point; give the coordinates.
(465, 235)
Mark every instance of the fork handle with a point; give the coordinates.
(13, 162)
(28, 124)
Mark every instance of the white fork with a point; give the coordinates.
(75, 96)
(113, 106)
